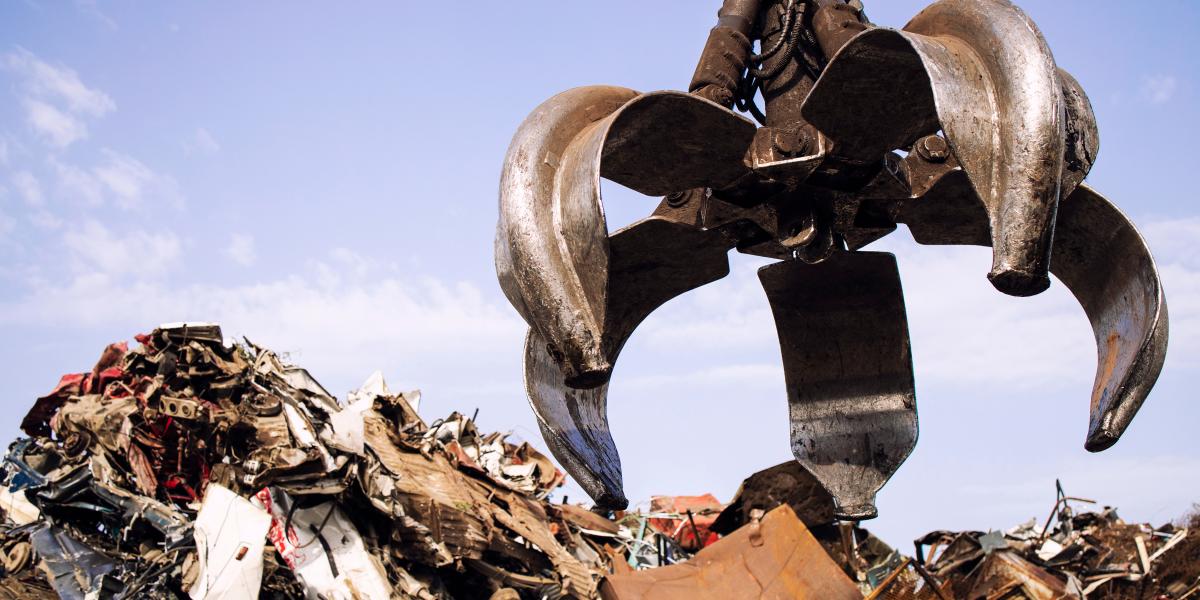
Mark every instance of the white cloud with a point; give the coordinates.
(45, 219)
(750, 376)
(1159, 89)
(92, 9)
(95, 250)
(1153, 488)
(202, 142)
(126, 178)
(7, 225)
(729, 314)
(58, 83)
(1182, 286)
(1173, 241)
(57, 128)
(55, 99)
(28, 188)
(962, 328)
(76, 184)
(126, 182)
(356, 322)
(343, 265)
(241, 250)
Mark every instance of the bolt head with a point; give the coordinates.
(791, 142)
(933, 148)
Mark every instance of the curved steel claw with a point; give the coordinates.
(1106, 264)
(844, 337)
(1100, 256)
(652, 261)
(552, 246)
(980, 71)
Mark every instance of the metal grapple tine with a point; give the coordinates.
(653, 261)
(552, 247)
(574, 424)
(980, 71)
(555, 287)
(848, 367)
(1100, 256)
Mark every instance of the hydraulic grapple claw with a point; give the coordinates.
(960, 126)
(979, 71)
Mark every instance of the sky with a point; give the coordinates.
(322, 179)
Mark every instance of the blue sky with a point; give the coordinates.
(323, 180)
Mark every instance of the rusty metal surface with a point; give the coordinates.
(776, 559)
(960, 126)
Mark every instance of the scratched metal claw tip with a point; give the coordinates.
(1017, 282)
(1100, 440)
(856, 512)
(574, 424)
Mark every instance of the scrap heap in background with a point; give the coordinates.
(168, 469)
(189, 467)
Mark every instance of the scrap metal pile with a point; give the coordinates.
(1068, 556)
(191, 467)
(1086, 554)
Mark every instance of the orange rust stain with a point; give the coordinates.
(1106, 370)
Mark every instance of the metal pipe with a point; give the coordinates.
(739, 15)
(726, 53)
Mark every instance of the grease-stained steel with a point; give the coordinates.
(960, 126)
(851, 396)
